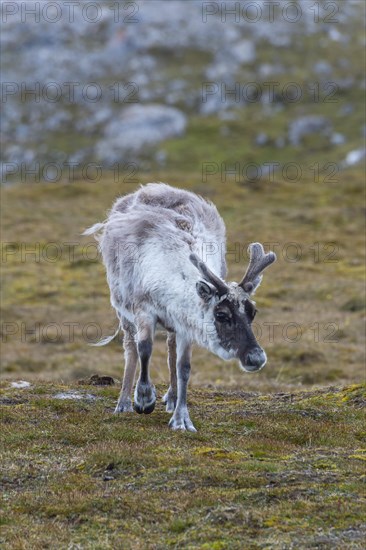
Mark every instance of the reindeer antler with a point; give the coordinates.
(208, 275)
(258, 261)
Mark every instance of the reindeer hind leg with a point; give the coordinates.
(131, 356)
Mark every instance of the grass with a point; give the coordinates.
(264, 471)
(55, 299)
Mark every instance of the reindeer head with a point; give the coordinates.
(229, 311)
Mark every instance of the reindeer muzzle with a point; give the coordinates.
(254, 360)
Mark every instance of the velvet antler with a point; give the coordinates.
(208, 275)
(258, 261)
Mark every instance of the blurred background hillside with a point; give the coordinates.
(94, 83)
(258, 105)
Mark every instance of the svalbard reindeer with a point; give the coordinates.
(164, 253)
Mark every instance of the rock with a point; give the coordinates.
(322, 68)
(243, 52)
(137, 127)
(222, 71)
(261, 139)
(344, 84)
(306, 125)
(354, 157)
(150, 60)
(212, 104)
(20, 385)
(337, 36)
(72, 394)
(267, 69)
(347, 109)
(337, 139)
(227, 63)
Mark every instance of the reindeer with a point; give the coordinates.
(153, 245)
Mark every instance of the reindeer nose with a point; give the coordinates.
(255, 359)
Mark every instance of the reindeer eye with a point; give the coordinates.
(222, 317)
(250, 310)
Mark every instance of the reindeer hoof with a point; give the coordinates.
(144, 410)
(145, 398)
(137, 408)
(182, 423)
(123, 407)
(149, 409)
(170, 401)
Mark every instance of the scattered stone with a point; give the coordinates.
(222, 71)
(337, 36)
(323, 68)
(212, 104)
(337, 139)
(267, 69)
(20, 385)
(72, 394)
(345, 84)
(137, 127)
(354, 157)
(128, 63)
(107, 477)
(261, 139)
(243, 52)
(307, 125)
(347, 109)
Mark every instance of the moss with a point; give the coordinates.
(282, 464)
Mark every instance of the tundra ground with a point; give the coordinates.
(310, 321)
(277, 471)
(277, 461)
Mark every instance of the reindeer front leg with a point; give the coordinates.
(145, 395)
(170, 398)
(180, 419)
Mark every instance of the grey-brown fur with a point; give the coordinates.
(164, 252)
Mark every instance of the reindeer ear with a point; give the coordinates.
(251, 287)
(205, 290)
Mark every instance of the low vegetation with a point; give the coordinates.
(285, 470)
(55, 298)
